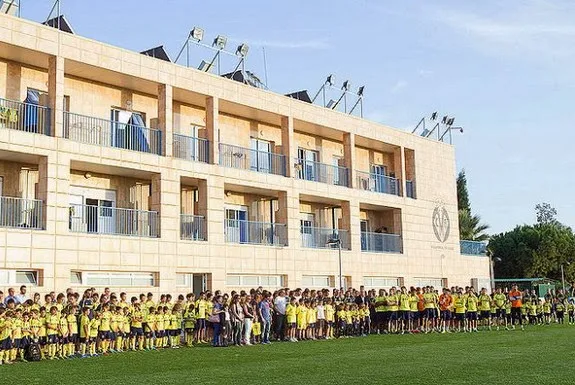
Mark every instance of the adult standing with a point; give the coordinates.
(216, 320)
(22, 297)
(280, 303)
(10, 296)
(248, 319)
(264, 310)
(237, 317)
(516, 299)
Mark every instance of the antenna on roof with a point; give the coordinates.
(56, 7)
(446, 122)
(10, 7)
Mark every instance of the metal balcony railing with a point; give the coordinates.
(323, 173)
(249, 159)
(191, 148)
(114, 221)
(259, 233)
(318, 238)
(21, 213)
(377, 183)
(192, 227)
(109, 133)
(24, 117)
(473, 248)
(410, 189)
(381, 243)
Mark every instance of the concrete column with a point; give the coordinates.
(288, 214)
(165, 115)
(349, 157)
(165, 199)
(399, 168)
(289, 148)
(202, 205)
(212, 128)
(211, 194)
(350, 222)
(47, 192)
(56, 95)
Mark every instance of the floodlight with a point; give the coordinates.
(242, 50)
(220, 42)
(346, 85)
(330, 80)
(331, 104)
(205, 66)
(451, 121)
(197, 34)
(434, 115)
(444, 120)
(360, 91)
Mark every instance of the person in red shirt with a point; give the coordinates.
(516, 299)
(445, 306)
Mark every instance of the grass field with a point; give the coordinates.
(539, 355)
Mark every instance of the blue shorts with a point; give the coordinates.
(405, 315)
(175, 332)
(52, 339)
(311, 326)
(16, 343)
(485, 314)
(430, 313)
(445, 315)
(201, 323)
(105, 335)
(393, 316)
(137, 332)
(500, 313)
(6, 344)
(472, 315)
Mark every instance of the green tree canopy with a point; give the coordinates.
(471, 228)
(462, 193)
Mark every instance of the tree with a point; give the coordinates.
(546, 213)
(462, 193)
(471, 228)
(532, 251)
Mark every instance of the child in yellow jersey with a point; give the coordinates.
(532, 312)
(84, 332)
(571, 311)
(160, 327)
(301, 313)
(52, 325)
(35, 325)
(5, 335)
(72, 330)
(16, 334)
(189, 324)
(311, 317)
(137, 331)
(150, 328)
(341, 320)
(167, 324)
(63, 335)
(105, 331)
(94, 328)
(127, 321)
(175, 328)
(329, 318)
(26, 334)
(118, 328)
(291, 317)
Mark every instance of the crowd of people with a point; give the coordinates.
(73, 325)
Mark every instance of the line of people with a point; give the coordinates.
(69, 325)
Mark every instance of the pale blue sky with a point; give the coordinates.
(504, 69)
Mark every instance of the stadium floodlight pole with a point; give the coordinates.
(337, 241)
(448, 130)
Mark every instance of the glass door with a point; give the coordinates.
(364, 228)
(378, 173)
(306, 229)
(236, 225)
(308, 160)
(261, 156)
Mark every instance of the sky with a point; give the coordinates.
(503, 69)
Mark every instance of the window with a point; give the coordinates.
(322, 281)
(380, 282)
(183, 280)
(115, 279)
(253, 281)
(19, 277)
(435, 282)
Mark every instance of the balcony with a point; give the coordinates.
(323, 173)
(249, 159)
(28, 117)
(21, 213)
(410, 189)
(190, 148)
(114, 221)
(318, 238)
(473, 248)
(377, 183)
(192, 227)
(256, 233)
(381, 243)
(109, 133)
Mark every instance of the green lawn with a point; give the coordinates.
(539, 355)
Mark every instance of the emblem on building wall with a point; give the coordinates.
(441, 223)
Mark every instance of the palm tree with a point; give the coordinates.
(470, 228)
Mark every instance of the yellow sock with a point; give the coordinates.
(119, 343)
(71, 348)
(83, 349)
(1, 356)
(13, 354)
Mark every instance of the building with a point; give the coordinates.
(127, 171)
